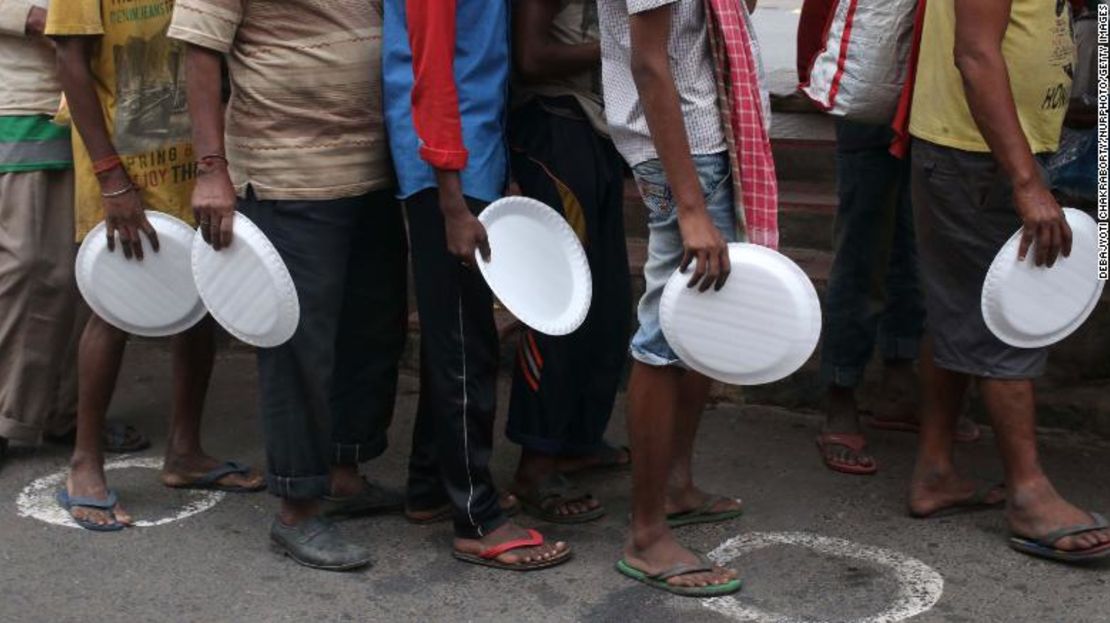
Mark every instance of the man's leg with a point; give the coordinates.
(936, 484)
(561, 161)
(98, 362)
(37, 298)
(653, 414)
(368, 347)
(313, 238)
(194, 352)
(867, 179)
(683, 495)
(1033, 507)
(656, 388)
(459, 338)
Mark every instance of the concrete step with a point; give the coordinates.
(807, 210)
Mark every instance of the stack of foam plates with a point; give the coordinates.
(154, 297)
(247, 287)
(1030, 306)
(760, 327)
(537, 268)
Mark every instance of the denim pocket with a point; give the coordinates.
(654, 189)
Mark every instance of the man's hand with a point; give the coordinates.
(465, 232)
(214, 205)
(36, 22)
(1044, 224)
(705, 246)
(124, 215)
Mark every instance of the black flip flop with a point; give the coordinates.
(211, 479)
(1043, 547)
(556, 490)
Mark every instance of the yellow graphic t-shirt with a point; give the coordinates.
(1039, 54)
(140, 79)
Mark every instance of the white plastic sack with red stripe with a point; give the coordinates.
(860, 71)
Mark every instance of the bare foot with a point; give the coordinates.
(86, 479)
(180, 470)
(522, 556)
(663, 553)
(932, 491)
(538, 481)
(1036, 509)
(843, 418)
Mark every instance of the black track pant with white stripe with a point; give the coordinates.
(453, 436)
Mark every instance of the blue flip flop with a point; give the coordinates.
(211, 479)
(107, 504)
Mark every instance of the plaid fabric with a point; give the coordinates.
(746, 126)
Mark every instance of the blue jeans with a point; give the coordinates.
(665, 250)
(873, 293)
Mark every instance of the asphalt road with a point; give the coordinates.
(216, 565)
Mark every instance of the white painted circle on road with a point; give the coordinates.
(37, 499)
(919, 586)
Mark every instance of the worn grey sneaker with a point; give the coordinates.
(316, 543)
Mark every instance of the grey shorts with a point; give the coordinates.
(964, 209)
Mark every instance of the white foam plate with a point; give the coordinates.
(1030, 306)
(154, 297)
(760, 327)
(537, 268)
(247, 287)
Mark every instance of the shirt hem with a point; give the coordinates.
(274, 193)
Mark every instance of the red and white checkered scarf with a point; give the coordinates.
(746, 128)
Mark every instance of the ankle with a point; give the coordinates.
(86, 462)
(643, 537)
(534, 467)
(293, 512)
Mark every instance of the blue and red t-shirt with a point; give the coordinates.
(446, 74)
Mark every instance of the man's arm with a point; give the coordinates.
(213, 195)
(980, 28)
(537, 54)
(123, 209)
(651, 71)
(438, 121)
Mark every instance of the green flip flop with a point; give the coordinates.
(703, 514)
(659, 580)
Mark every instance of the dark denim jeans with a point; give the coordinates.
(874, 294)
(326, 396)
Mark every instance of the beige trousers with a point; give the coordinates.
(38, 305)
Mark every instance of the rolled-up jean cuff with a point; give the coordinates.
(901, 348)
(298, 487)
(653, 360)
(356, 453)
(841, 376)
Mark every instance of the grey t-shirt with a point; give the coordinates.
(691, 64)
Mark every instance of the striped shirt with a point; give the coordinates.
(691, 64)
(305, 117)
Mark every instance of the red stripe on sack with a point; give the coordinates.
(845, 39)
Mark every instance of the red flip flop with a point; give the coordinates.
(854, 442)
(488, 557)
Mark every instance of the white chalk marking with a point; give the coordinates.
(919, 586)
(37, 499)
